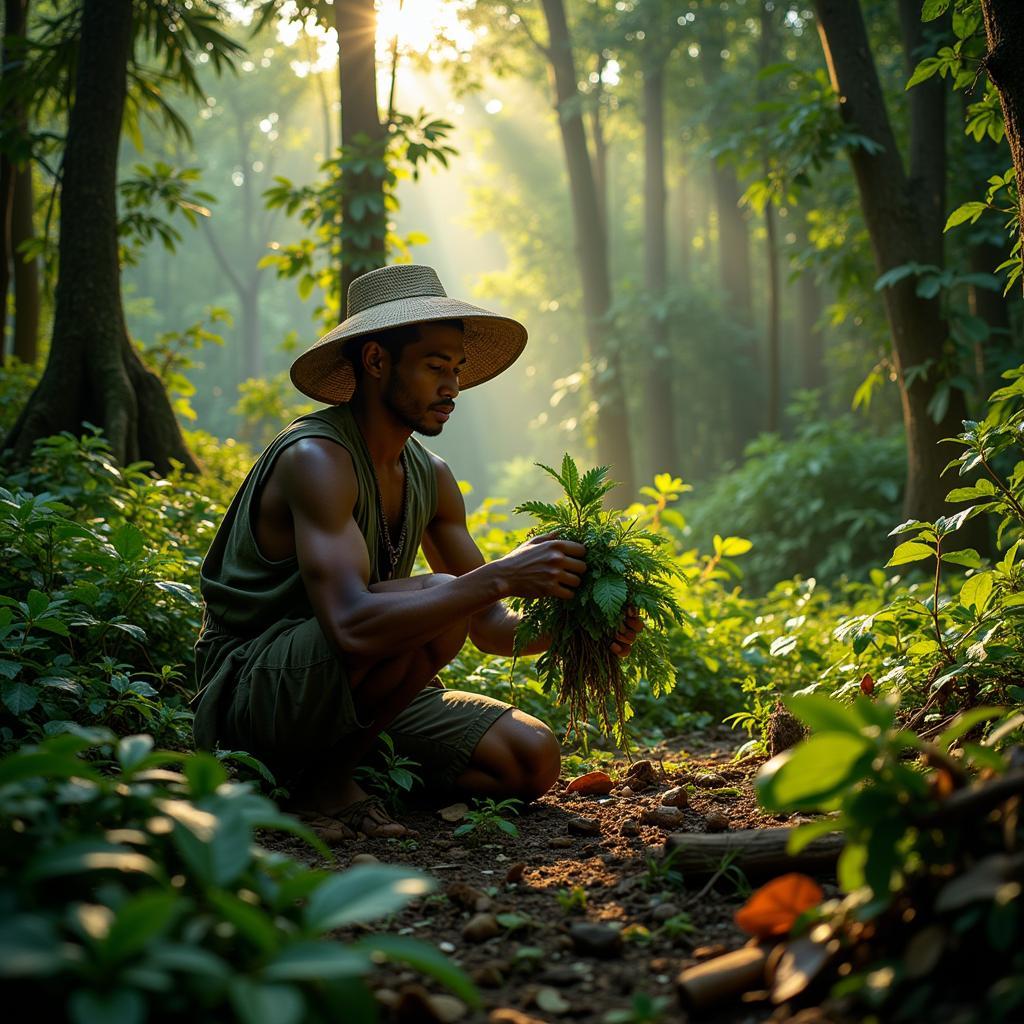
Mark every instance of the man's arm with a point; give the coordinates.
(319, 483)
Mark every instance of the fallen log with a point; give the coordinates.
(726, 976)
(757, 851)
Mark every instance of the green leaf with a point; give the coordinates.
(139, 921)
(309, 961)
(89, 855)
(610, 594)
(782, 645)
(363, 894)
(205, 775)
(977, 591)
(932, 9)
(37, 603)
(120, 1006)
(910, 551)
(967, 557)
(132, 750)
(252, 922)
(824, 714)
(964, 723)
(811, 774)
(968, 212)
(266, 1004)
(428, 960)
(19, 698)
(803, 835)
(30, 946)
(128, 541)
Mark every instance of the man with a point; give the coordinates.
(315, 637)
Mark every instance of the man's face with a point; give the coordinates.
(424, 381)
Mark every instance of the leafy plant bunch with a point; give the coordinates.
(626, 568)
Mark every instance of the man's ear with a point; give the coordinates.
(374, 356)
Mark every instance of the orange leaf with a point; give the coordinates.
(773, 909)
(867, 684)
(593, 782)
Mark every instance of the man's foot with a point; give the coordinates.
(352, 807)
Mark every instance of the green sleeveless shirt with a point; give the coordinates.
(246, 593)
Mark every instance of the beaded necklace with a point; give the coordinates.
(393, 551)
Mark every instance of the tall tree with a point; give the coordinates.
(26, 268)
(363, 210)
(767, 53)
(93, 373)
(1004, 62)
(904, 212)
(613, 447)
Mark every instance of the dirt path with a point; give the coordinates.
(579, 915)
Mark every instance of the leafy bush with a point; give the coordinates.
(139, 894)
(818, 505)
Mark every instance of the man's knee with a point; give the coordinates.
(535, 752)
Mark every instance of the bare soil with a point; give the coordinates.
(537, 963)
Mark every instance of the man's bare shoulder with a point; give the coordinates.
(316, 470)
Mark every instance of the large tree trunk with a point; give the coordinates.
(663, 455)
(613, 448)
(26, 271)
(93, 373)
(1004, 62)
(810, 307)
(363, 216)
(904, 216)
(773, 327)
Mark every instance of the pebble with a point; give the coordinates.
(453, 812)
(664, 817)
(446, 947)
(629, 827)
(560, 975)
(709, 952)
(663, 911)
(480, 928)
(622, 791)
(515, 873)
(561, 842)
(716, 823)
(464, 896)
(584, 826)
(551, 1001)
(364, 858)
(489, 975)
(447, 1009)
(483, 904)
(675, 797)
(709, 780)
(595, 939)
(641, 774)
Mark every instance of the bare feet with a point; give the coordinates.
(351, 806)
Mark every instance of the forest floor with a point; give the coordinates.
(579, 915)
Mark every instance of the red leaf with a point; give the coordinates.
(867, 684)
(593, 782)
(773, 909)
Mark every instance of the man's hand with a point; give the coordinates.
(627, 634)
(545, 566)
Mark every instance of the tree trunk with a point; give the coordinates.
(12, 125)
(93, 373)
(26, 271)
(600, 147)
(687, 228)
(1004, 62)
(663, 454)
(904, 220)
(613, 448)
(363, 216)
(810, 306)
(774, 346)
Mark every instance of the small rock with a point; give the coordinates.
(675, 797)
(561, 842)
(515, 873)
(664, 817)
(629, 827)
(386, 997)
(447, 1009)
(641, 774)
(483, 904)
(446, 947)
(595, 939)
(709, 780)
(364, 858)
(663, 911)
(622, 791)
(560, 975)
(584, 826)
(453, 812)
(551, 1001)
(488, 975)
(464, 896)
(480, 928)
(715, 822)
(709, 952)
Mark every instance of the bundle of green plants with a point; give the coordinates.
(627, 569)
(135, 887)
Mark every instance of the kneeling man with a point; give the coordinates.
(315, 637)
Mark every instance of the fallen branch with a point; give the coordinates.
(756, 851)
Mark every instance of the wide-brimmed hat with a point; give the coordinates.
(397, 296)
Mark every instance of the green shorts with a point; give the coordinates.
(284, 696)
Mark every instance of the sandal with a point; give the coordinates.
(356, 815)
(330, 830)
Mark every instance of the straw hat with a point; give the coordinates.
(394, 297)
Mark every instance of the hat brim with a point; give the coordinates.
(493, 343)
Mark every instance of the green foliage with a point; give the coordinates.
(816, 505)
(138, 892)
(626, 569)
(572, 900)
(487, 820)
(395, 774)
